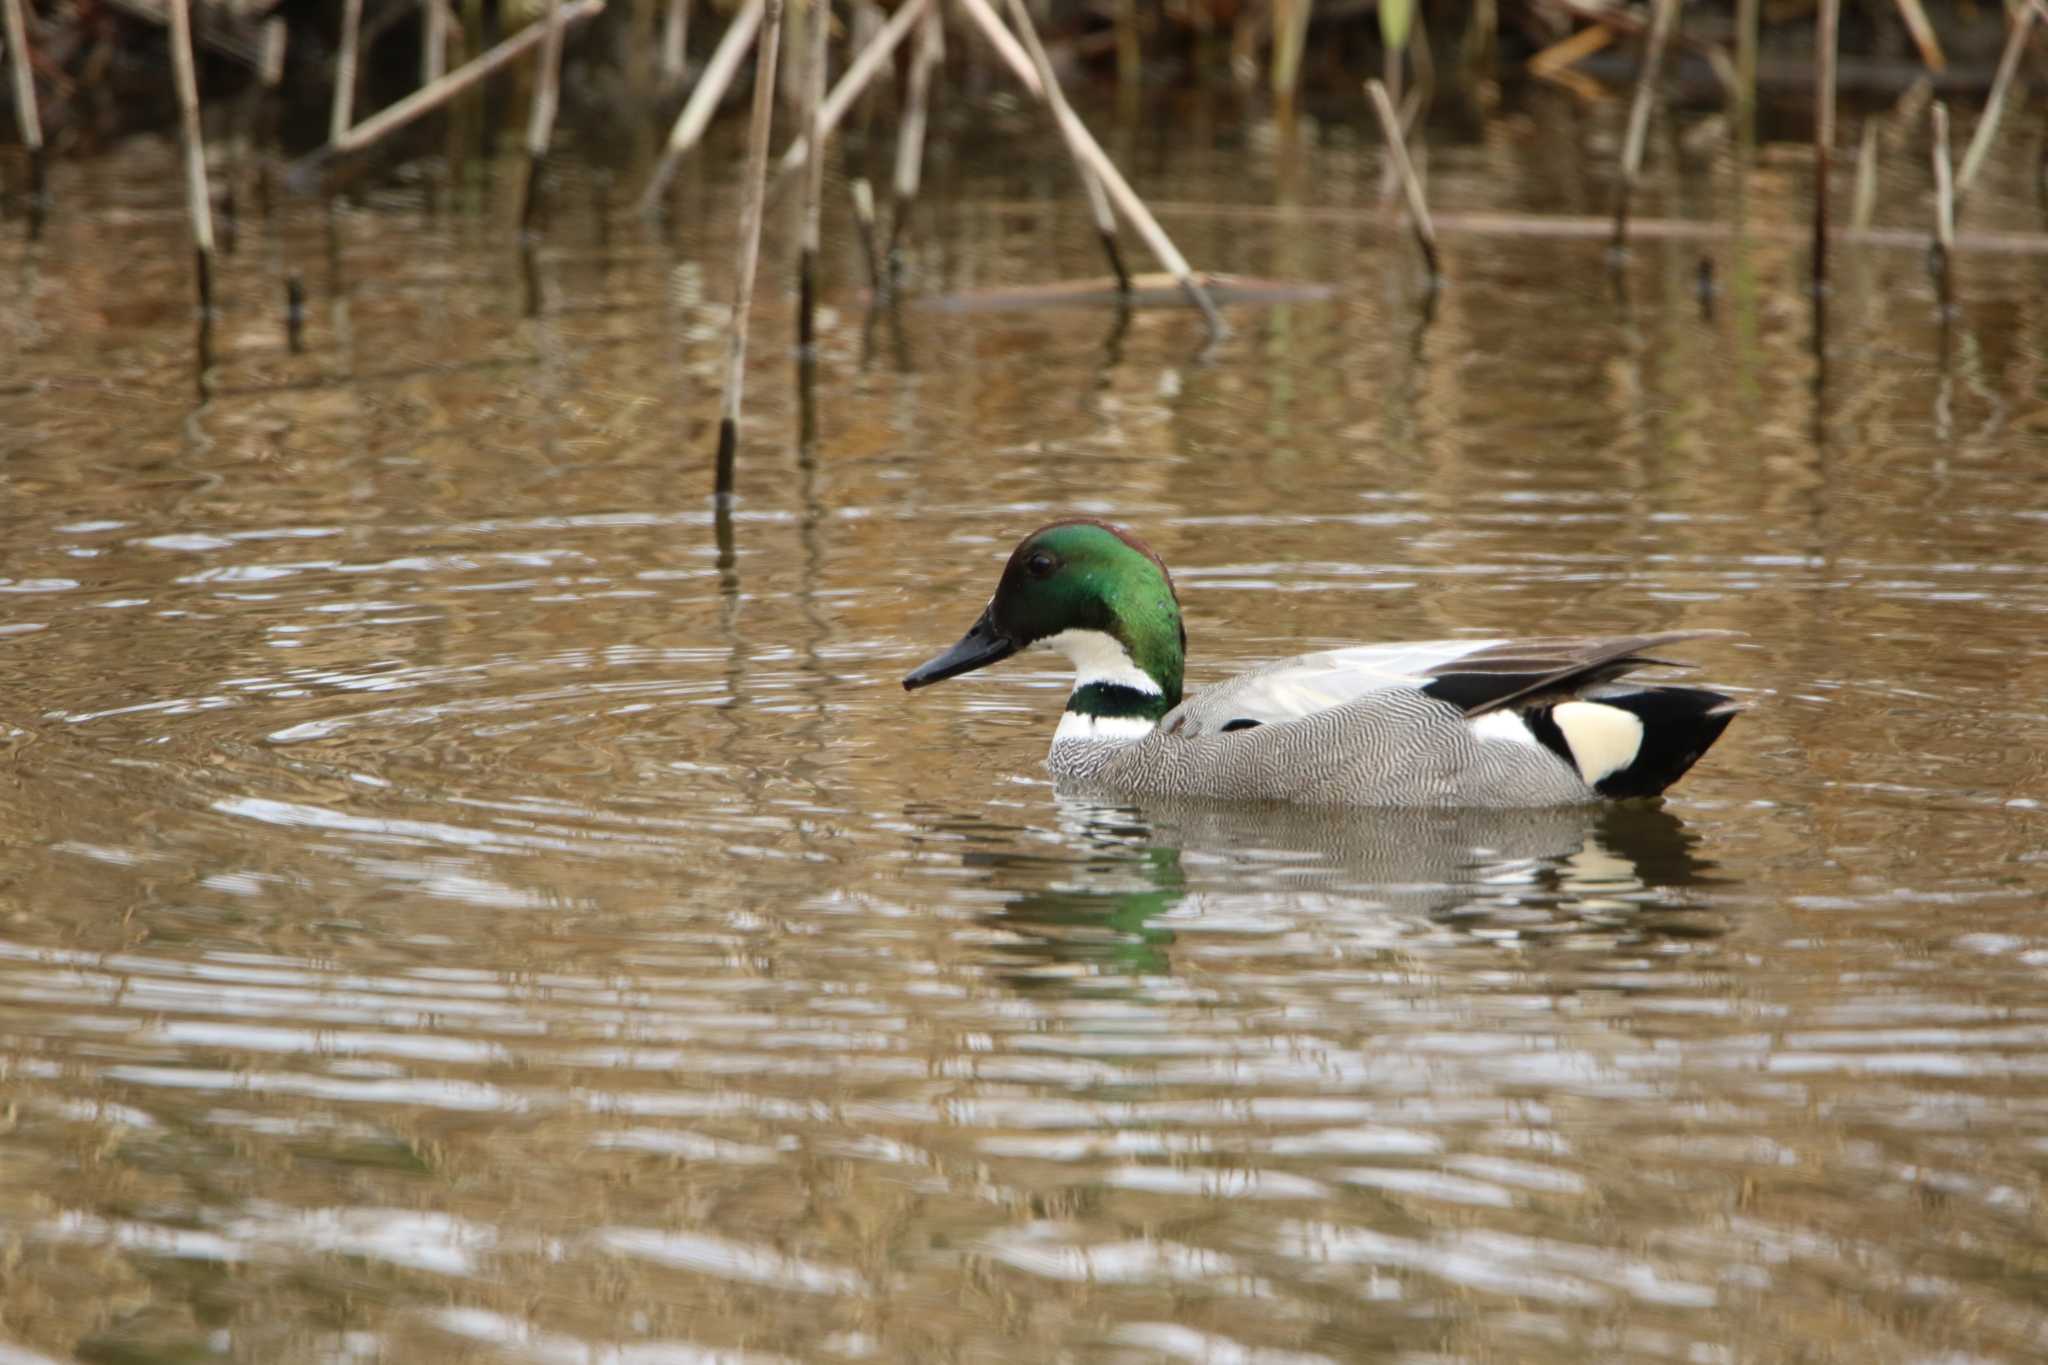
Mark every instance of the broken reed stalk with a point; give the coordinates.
(1826, 25)
(820, 35)
(386, 121)
(1994, 104)
(1923, 35)
(198, 199)
(1087, 150)
(675, 41)
(1397, 148)
(1944, 207)
(1866, 179)
(26, 116)
(1023, 67)
(858, 73)
(540, 124)
(1663, 19)
(433, 40)
(342, 112)
(711, 87)
(756, 194)
(910, 133)
(864, 219)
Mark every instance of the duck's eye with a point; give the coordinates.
(1040, 565)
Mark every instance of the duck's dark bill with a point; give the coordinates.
(981, 646)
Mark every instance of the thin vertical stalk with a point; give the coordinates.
(1944, 207)
(1994, 105)
(1663, 19)
(1090, 152)
(26, 115)
(198, 199)
(433, 40)
(819, 34)
(756, 193)
(864, 220)
(1865, 200)
(1418, 207)
(540, 123)
(342, 112)
(675, 40)
(910, 134)
(1128, 57)
(711, 87)
(1825, 29)
(1290, 35)
(1019, 61)
(1748, 18)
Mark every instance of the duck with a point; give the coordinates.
(1456, 723)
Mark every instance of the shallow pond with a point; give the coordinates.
(459, 905)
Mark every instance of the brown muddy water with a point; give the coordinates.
(450, 912)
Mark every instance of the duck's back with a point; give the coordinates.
(1436, 723)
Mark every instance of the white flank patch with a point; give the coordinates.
(1101, 658)
(1102, 729)
(1604, 739)
(1504, 726)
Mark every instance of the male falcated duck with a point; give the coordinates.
(1540, 722)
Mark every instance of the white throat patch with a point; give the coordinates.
(1101, 658)
(1102, 729)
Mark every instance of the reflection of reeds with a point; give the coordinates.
(755, 195)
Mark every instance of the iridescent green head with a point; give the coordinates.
(1098, 595)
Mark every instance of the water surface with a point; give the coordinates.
(458, 906)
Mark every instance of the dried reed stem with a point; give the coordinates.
(198, 199)
(1089, 151)
(1944, 205)
(820, 35)
(1923, 35)
(1994, 105)
(540, 124)
(910, 133)
(1397, 148)
(1866, 179)
(386, 121)
(1025, 70)
(756, 186)
(342, 112)
(864, 219)
(1826, 27)
(858, 73)
(433, 40)
(711, 87)
(675, 40)
(270, 57)
(26, 116)
(1663, 19)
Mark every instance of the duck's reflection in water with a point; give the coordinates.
(1153, 871)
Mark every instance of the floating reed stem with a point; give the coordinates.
(675, 41)
(433, 40)
(26, 116)
(819, 34)
(756, 193)
(1994, 105)
(386, 121)
(540, 123)
(1825, 29)
(1418, 207)
(910, 133)
(342, 112)
(1663, 19)
(711, 87)
(1024, 67)
(1866, 179)
(858, 73)
(1944, 208)
(1084, 146)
